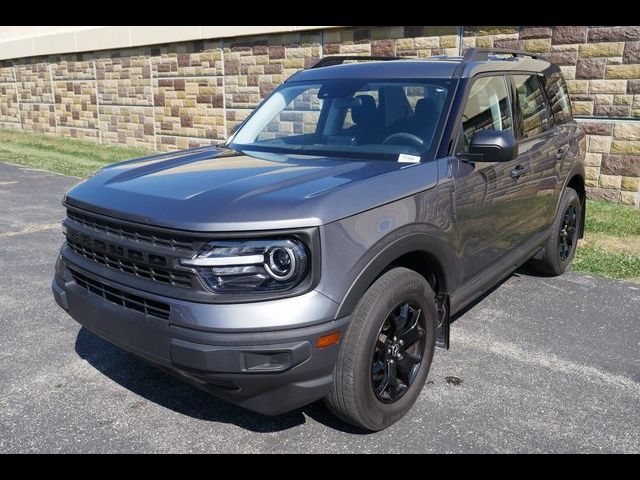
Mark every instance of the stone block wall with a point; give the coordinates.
(187, 94)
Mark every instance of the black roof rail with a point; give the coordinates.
(340, 59)
(482, 54)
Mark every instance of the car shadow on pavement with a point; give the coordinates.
(167, 391)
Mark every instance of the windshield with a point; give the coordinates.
(349, 117)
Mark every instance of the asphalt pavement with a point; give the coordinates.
(538, 365)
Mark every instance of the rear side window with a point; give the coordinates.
(556, 91)
(531, 105)
(487, 108)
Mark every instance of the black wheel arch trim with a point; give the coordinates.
(387, 252)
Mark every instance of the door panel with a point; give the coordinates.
(487, 194)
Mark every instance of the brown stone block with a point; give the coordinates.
(626, 165)
(331, 49)
(565, 58)
(612, 110)
(563, 35)
(633, 86)
(535, 32)
(273, 68)
(613, 34)
(509, 44)
(184, 60)
(590, 68)
(631, 52)
(179, 85)
(610, 195)
(383, 47)
(276, 51)
(597, 128)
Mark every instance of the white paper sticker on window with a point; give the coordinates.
(404, 158)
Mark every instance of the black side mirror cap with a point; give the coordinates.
(493, 146)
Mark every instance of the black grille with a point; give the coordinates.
(126, 300)
(126, 232)
(134, 268)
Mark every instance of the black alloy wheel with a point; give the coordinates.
(398, 352)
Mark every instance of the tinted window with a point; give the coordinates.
(487, 107)
(532, 105)
(556, 91)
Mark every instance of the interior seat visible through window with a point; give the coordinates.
(364, 114)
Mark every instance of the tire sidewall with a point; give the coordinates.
(569, 197)
(410, 287)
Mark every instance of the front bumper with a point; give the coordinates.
(270, 371)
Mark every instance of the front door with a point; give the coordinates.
(488, 194)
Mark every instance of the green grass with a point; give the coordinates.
(62, 155)
(611, 246)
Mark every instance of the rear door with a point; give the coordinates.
(537, 138)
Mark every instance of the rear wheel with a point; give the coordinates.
(561, 247)
(386, 353)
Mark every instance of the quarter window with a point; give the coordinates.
(532, 105)
(558, 99)
(487, 108)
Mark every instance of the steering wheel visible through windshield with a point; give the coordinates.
(348, 117)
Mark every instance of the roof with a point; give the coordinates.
(474, 62)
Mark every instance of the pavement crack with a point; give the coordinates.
(31, 229)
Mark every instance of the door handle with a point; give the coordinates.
(519, 171)
(562, 152)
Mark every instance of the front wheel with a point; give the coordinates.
(561, 247)
(386, 353)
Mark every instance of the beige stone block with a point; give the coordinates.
(484, 42)
(449, 41)
(293, 63)
(405, 43)
(349, 50)
(625, 147)
(603, 99)
(427, 42)
(610, 181)
(592, 159)
(468, 42)
(568, 71)
(592, 173)
(623, 71)
(623, 100)
(607, 86)
(630, 198)
(590, 182)
(608, 49)
(564, 48)
(538, 45)
(627, 131)
(630, 184)
(578, 86)
(599, 144)
(582, 108)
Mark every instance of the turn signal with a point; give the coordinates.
(328, 340)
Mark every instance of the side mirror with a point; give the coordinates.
(493, 146)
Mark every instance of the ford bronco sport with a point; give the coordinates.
(322, 250)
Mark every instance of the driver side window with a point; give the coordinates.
(487, 108)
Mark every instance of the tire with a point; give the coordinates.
(360, 366)
(556, 258)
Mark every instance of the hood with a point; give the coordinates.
(208, 189)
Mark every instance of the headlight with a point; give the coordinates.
(237, 266)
